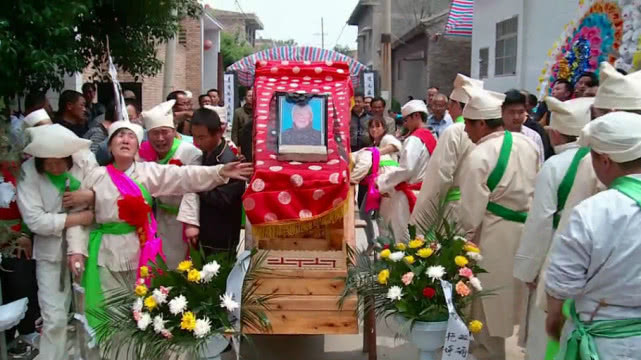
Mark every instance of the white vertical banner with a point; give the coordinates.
(229, 95)
(457, 337)
(119, 100)
(369, 84)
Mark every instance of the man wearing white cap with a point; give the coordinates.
(595, 259)
(553, 184)
(496, 187)
(49, 187)
(617, 92)
(442, 177)
(417, 149)
(177, 216)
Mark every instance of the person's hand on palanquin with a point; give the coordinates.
(237, 170)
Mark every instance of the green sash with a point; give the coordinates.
(567, 183)
(91, 278)
(454, 194)
(581, 345)
(171, 209)
(495, 177)
(629, 186)
(384, 163)
(171, 153)
(60, 181)
(459, 119)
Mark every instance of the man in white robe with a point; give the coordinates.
(594, 261)
(442, 176)
(177, 216)
(417, 149)
(496, 190)
(553, 184)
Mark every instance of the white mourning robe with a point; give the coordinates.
(535, 243)
(170, 226)
(498, 238)
(596, 258)
(40, 205)
(393, 206)
(536, 138)
(443, 171)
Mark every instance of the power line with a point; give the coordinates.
(340, 34)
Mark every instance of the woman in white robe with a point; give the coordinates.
(58, 164)
(118, 252)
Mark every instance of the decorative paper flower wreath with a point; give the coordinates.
(596, 37)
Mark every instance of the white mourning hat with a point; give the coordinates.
(458, 93)
(160, 115)
(569, 117)
(483, 104)
(54, 141)
(618, 91)
(616, 134)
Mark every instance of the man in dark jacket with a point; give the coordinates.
(220, 208)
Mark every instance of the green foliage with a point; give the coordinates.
(345, 50)
(434, 231)
(118, 332)
(40, 41)
(233, 48)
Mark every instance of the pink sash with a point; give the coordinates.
(373, 197)
(153, 245)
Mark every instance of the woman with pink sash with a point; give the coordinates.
(125, 236)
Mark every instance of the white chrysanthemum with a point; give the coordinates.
(435, 272)
(159, 324)
(420, 236)
(203, 327)
(177, 305)
(459, 238)
(476, 283)
(137, 306)
(209, 271)
(228, 302)
(396, 256)
(144, 321)
(160, 296)
(474, 256)
(395, 293)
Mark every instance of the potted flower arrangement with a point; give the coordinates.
(403, 280)
(187, 310)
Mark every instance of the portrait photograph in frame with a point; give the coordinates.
(302, 126)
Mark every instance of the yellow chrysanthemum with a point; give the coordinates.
(141, 290)
(400, 246)
(185, 265)
(416, 243)
(144, 271)
(425, 252)
(150, 303)
(188, 321)
(461, 261)
(385, 253)
(471, 248)
(193, 275)
(475, 326)
(409, 259)
(383, 276)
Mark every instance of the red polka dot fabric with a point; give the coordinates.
(289, 191)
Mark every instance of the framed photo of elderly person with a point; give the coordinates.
(302, 127)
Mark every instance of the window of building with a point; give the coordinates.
(506, 46)
(484, 58)
(182, 35)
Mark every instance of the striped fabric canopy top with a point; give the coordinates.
(461, 18)
(246, 67)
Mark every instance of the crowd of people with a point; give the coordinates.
(548, 190)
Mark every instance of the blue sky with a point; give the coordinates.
(299, 19)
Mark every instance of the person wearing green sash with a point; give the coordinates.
(442, 177)
(177, 216)
(114, 248)
(595, 259)
(553, 184)
(49, 196)
(497, 184)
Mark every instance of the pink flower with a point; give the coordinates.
(166, 333)
(164, 290)
(596, 41)
(462, 289)
(140, 281)
(466, 272)
(407, 278)
(137, 315)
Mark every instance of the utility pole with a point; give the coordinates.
(322, 34)
(386, 52)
